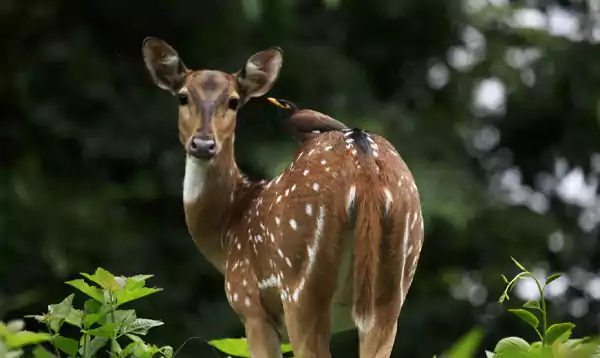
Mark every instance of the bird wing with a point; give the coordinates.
(307, 121)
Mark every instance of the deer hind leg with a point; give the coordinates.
(379, 340)
(262, 337)
(392, 284)
(308, 323)
(308, 309)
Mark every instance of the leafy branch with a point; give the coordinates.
(101, 322)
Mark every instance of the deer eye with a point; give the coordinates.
(233, 103)
(182, 98)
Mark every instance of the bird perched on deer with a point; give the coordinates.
(330, 244)
(304, 124)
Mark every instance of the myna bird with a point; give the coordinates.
(304, 124)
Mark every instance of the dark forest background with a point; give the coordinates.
(495, 106)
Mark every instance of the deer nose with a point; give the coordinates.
(202, 148)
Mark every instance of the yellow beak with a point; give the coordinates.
(277, 103)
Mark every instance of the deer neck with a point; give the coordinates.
(209, 195)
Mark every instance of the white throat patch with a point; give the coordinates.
(193, 181)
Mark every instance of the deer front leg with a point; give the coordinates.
(263, 339)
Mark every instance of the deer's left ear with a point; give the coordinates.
(260, 73)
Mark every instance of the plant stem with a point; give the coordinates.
(86, 339)
(543, 309)
(539, 334)
(112, 316)
(55, 347)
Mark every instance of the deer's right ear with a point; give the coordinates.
(163, 63)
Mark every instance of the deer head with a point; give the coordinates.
(209, 100)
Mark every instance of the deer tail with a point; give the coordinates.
(367, 241)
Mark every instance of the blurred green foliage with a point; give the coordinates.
(92, 168)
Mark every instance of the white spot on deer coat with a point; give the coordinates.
(414, 220)
(309, 209)
(388, 199)
(404, 256)
(350, 198)
(312, 252)
(271, 281)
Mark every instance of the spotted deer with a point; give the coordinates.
(330, 244)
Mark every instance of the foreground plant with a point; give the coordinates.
(554, 339)
(238, 347)
(13, 338)
(102, 324)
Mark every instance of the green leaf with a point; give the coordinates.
(590, 348)
(129, 349)
(90, 319)
(140, 278)
(16, 325)
(108, 330)
(3, 348)
(67, 345)
(14, 354)
(95, 345)
(167, 351)
(135, 338)
(503, 298)
(552, 278)
(466, 345)
(557, 330)
(38, 317)
(146, 350)
(93, 292)
(518, 264)
(126, 295)
(141, 351)
(41, 352)
(103, 278)
(532, 304)
(505, 279)
(124, 318)
(235, 347)
(74, 317)
(61, 310)
(115, 347)
(140, 326)
(286, 348)
(511, 345)
(25, 338)
(92, 306)
(537, 344)
(526, 316)
(93, 311)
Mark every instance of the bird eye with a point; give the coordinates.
(233, 103)
(182, 98)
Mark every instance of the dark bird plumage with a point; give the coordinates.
(304, 124)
